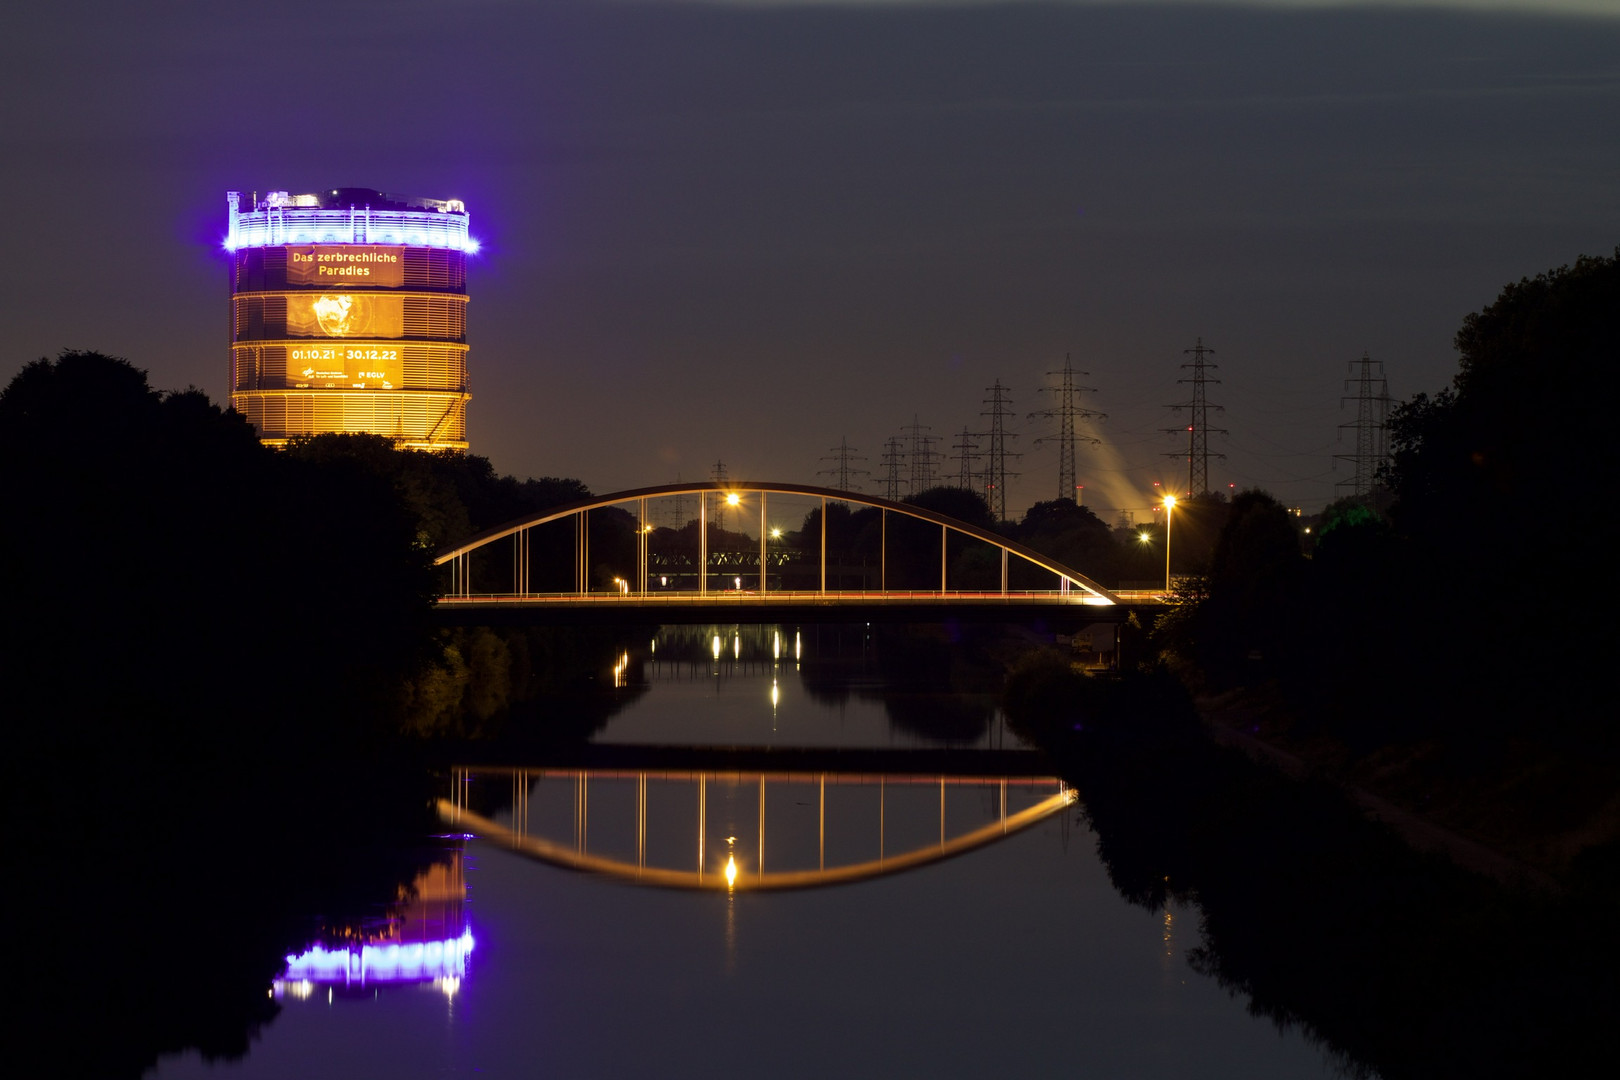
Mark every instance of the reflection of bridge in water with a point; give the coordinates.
(772, 820)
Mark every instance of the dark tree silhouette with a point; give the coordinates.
(200, 635)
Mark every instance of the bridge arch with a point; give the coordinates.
(743, 867)
(457, 556)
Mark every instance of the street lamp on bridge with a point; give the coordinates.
(1169, 512)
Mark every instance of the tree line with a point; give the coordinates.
(1474, 610)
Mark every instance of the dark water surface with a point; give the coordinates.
(1012, 958)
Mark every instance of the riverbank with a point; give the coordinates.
(1518, 812)
(1400, 961)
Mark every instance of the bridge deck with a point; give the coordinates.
(751, 607)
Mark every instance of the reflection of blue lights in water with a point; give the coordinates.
(391, 962)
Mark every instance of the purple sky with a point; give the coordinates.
(745, 231)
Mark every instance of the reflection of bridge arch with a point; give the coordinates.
(457, 556)
(718, 868)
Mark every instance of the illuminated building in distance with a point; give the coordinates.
(349, 314)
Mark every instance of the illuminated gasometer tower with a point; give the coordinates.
(349, 314)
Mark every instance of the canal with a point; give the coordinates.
(910, 894)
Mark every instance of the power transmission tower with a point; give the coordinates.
(967, 452)
(718, 475)
(923, 455)
(1370, 425)
(1198, 429)
(844, 471)
(1066, 410)
(679, 511)
(995, 473)
(894, 459)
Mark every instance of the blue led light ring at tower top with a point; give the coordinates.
(414, 228)
(379, 219)
(348, 314)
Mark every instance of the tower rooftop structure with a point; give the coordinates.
(346, 216)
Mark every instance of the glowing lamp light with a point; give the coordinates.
(731, 871)
(470, 246)
(733, 499)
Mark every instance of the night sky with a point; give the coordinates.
(744, 231)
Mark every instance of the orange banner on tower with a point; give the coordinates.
(345, 315)
(367, 365)
(371, 266)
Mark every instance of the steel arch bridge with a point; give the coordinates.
(1069, 588)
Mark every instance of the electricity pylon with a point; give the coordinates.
(1370, 425)
(923, 456)
(894, 459)
(995, 473)
(844, 471)
(1066, 409)
(1198, 429)
(967, 452)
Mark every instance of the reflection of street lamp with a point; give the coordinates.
(1169, 512)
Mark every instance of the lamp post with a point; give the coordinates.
(774, 534)
(1169, 512)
